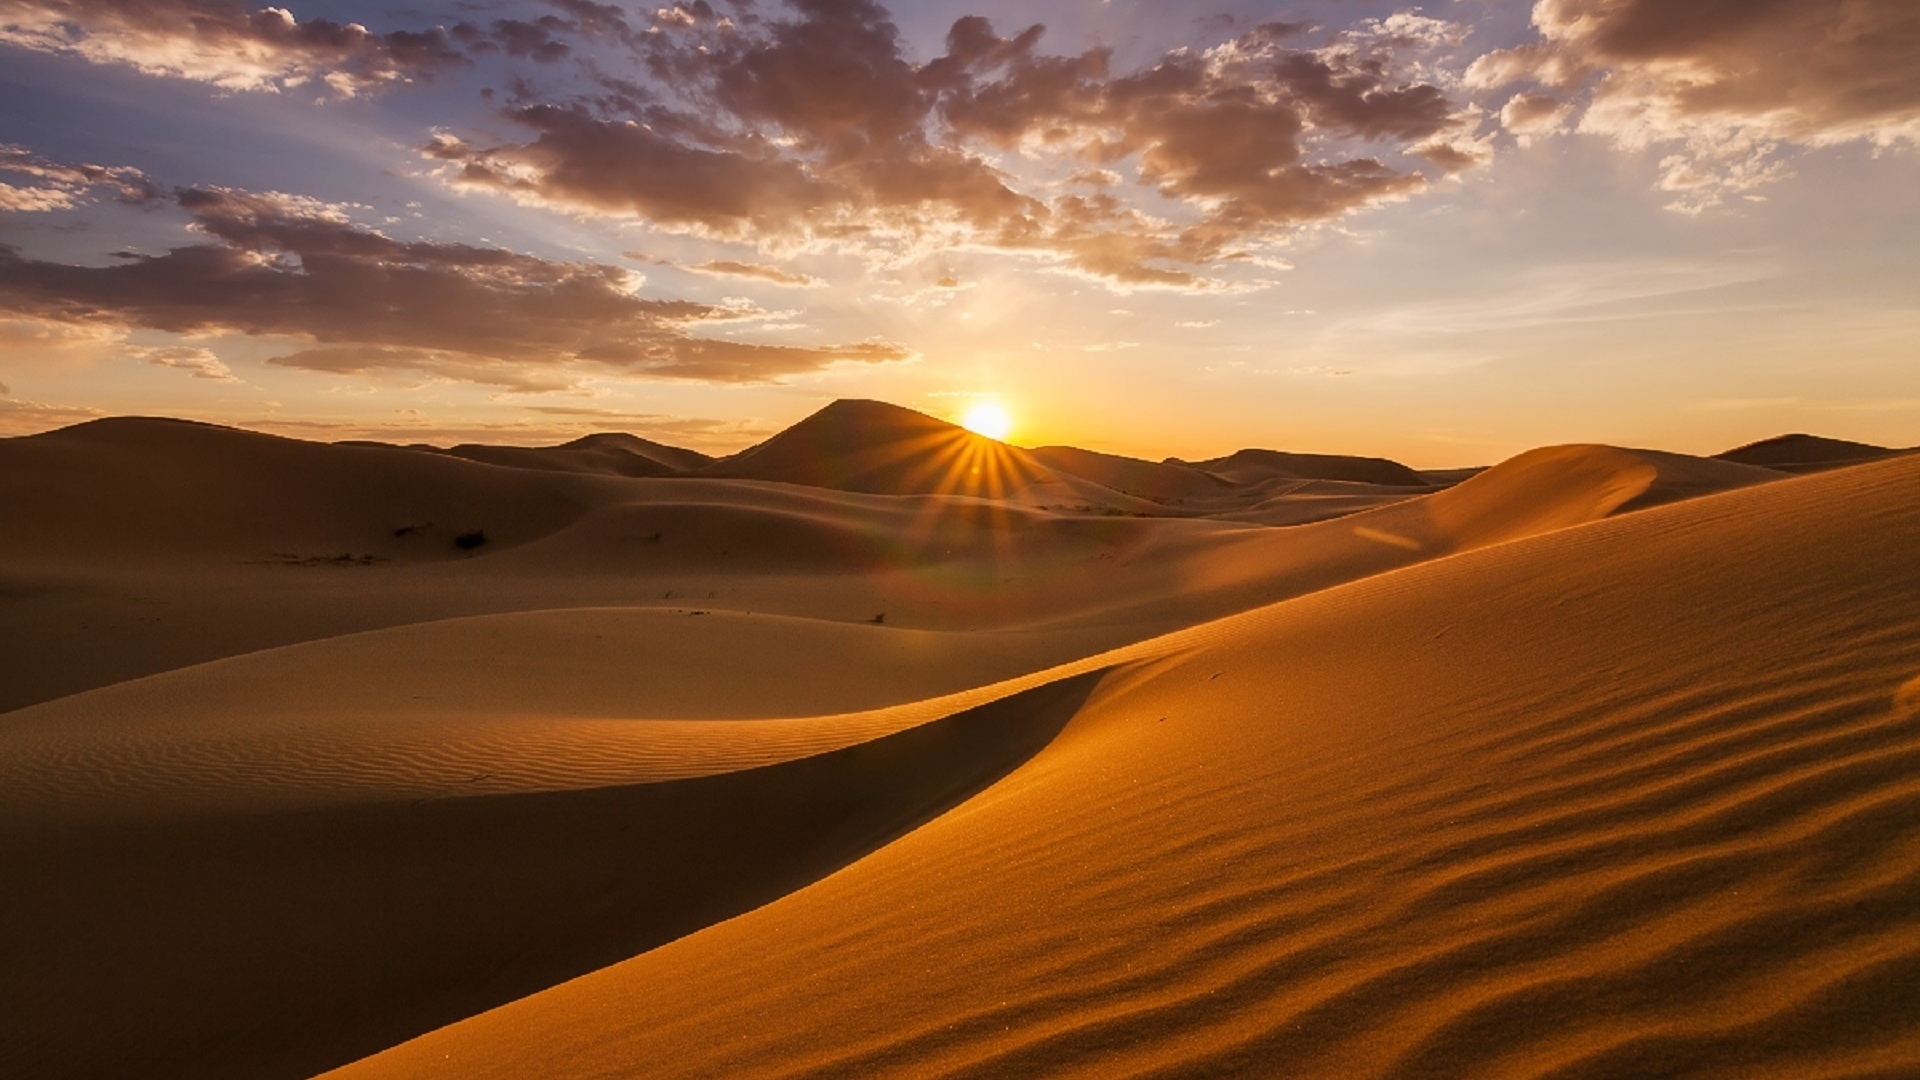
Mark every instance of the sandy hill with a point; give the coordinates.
(1253, 466)
(612, 453)
(360, 800)
(674, 457)
(1805, 453)
(141, 546)
(1161, 482)
(151, 488)
(1632, 798)
(874, 447)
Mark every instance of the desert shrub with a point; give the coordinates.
(468, 541)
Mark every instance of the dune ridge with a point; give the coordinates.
(1803, 453)
(275, 941)
(1628, 805)
(1205, 778)
(143, 546)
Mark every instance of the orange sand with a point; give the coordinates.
(830, 760)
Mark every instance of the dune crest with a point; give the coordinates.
(1572, 835)
(1125, 767)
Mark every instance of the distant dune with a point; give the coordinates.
(873, 447)
(1248, 466)
(1806, 453)
(838, 757)
(613, 454)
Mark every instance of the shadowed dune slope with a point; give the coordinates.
(1252, 466)
(140, 489)
(530, 701)
(1805, 453)
(874, 447)
(611, 453)
(278, 941)
(562, 459)
(882, 449)
(1159, 481)
(1636, 798)
(673, 457)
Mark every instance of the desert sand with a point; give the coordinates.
(882, 749)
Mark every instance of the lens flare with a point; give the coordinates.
(988, 418)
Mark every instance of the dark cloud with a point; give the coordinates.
(1732, 80)
(622, 167)
(286, 267)
(227, 43)
(542, 39)
(815, 126)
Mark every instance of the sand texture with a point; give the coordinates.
(839, 757)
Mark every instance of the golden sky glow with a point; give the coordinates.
(1444, 233)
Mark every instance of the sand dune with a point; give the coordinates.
(1590, 763)
(612, 453)
(1163, 482)
(139, 488)
(1805, 453)
(281, 940)
(532, 701)
(1635, 798)
(874, 447)
(1249, 466)
(144, 546)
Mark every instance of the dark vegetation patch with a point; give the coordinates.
(471, 541)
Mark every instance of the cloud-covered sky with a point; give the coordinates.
(1444, 233)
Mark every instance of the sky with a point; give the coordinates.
(1443, 234)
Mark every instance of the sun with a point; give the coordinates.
(988, 418)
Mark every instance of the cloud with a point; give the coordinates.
(1528, 115)
(1727, 86)
(542, 425)
(283, 266)
(536, 39)
(580, 162)
(19, 416)
(756, 272)
(196, 361)
(56, 185)
(227, 43)
(812, 127)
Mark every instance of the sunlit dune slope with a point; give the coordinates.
(1805, 453)
(1635, 798)
(1536, 492)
